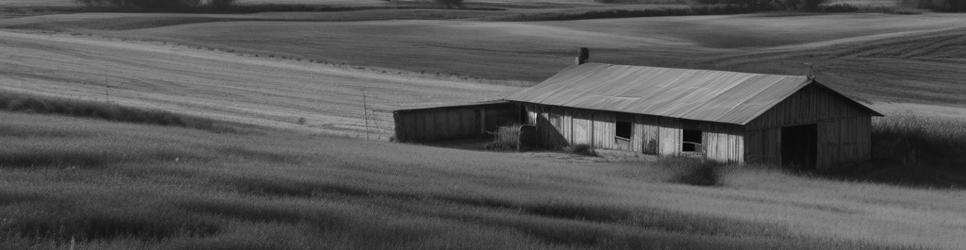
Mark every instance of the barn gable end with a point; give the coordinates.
(842, 128)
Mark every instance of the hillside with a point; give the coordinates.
(120, 186)
(254, 90)
(880, 57)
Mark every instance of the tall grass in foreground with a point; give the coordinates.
(159, 187)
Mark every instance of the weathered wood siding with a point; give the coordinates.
(433, 124)
(582, 127)
(670, 135)
(843, 128)
(604, 130)
(646, 134)
(843, 141)
(723, 142)
(558, 127)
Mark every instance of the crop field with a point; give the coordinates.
(880, 57)
(120, 186)
(261, 91)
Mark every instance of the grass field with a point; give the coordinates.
(120, 186)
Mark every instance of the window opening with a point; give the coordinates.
(623, 130)
(691, 141)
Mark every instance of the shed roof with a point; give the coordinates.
(456, 105)
(704, 95)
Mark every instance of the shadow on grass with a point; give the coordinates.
(28, 131)
(652, 218)
(62, 220)
(108, 111)
(88, 158)
(242, 210)
(248, 154)
(7, 198)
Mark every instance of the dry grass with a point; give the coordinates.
(166, 187)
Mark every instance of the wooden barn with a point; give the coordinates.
(724, 116)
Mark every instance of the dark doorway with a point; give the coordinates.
(799, 146)
(524, 116)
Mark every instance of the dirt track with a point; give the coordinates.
(226, 86)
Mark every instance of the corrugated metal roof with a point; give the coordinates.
(704, 95)
(455, 105)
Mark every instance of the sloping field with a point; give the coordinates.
(125, 186)
(902, 58)
(219, 85)
(47, 3)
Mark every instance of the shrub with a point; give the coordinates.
(501, 146)
(450, 3)
(692, 171)
(580, 149)
(158, 4)
(221, 4)
(839, 8)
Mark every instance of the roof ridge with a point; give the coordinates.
(692, 69)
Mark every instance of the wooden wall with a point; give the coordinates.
(558, 127)
(444, 123)
(723, 142)
(844, 141)
(843, 128)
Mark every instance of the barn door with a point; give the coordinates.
(799, 146)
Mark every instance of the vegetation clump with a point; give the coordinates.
(580, 149)
(692, 171)
(103, 110)
(450, 3)
(159, 4)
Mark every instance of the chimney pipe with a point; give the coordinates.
(583, 55)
